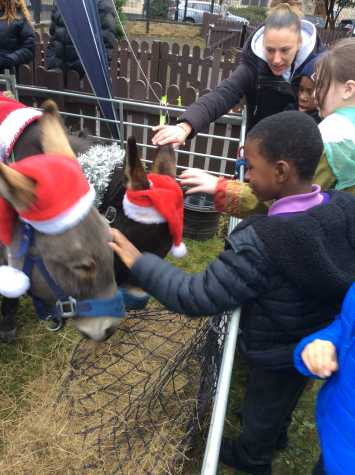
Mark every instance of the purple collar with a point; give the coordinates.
(298, 203)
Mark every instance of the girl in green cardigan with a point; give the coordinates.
(335, 93)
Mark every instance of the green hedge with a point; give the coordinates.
(253, 14)
(119, 5)
(158, 9)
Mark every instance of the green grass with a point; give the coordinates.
(36, 349)
(253, 14)
(302, 452)
(23, 361)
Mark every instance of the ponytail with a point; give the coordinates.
(284, 15)
(295, 6)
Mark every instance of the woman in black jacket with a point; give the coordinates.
(268, 74)
(17, 38)
(61, 53)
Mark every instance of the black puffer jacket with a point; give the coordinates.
(265, 93)
(17, 42)
(290, 272)
(61, 54)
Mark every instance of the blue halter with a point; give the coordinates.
(67, 306)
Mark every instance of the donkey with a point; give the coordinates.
(80, 265)
(153, 238)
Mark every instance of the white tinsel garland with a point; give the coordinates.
(98, 164)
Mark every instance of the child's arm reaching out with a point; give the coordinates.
(237, 275)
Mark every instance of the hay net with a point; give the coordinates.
(137, 402)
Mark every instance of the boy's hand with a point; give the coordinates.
(320, 357)
(124, 248)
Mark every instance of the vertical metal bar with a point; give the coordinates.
(176, 16)
(210, 460)
(148, 17)
(185, 10)
(121, 125)
(37, 8)
(10, 81)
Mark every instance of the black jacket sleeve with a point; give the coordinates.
(25, 53)
(107, 16)
(213, 105)
(237, 275)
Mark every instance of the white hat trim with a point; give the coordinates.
(141, 214)
(68, 219)
(14, 124)
(178, 251)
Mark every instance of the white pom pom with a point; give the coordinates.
(13, 282)
(178, 251)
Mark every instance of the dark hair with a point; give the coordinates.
(284, 15)
(336, 64)
(291, 136)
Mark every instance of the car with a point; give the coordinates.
(347, 24)
(196, 9)
(318, 21)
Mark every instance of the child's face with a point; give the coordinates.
(306, 99)
(265, 178)
(338, 95)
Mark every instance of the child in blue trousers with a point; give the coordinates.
(330, 353)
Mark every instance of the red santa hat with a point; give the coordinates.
(63, 198)
(14, 118)
(162, 202)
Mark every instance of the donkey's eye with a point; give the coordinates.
(85, 267)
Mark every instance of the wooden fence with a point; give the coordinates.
(224, 34)
(215, 155)
(181, 73)
(159, 62)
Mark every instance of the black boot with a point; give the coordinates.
(230, 455)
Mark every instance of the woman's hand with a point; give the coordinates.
(124, 248)
(173, 134)
(320, 357)
(199, 181)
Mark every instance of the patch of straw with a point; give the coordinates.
(126, 406)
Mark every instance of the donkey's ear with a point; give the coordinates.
(17, 189)
(54, 139)
(164, 161)
(135, 175)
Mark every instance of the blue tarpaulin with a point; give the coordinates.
(81, 18)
